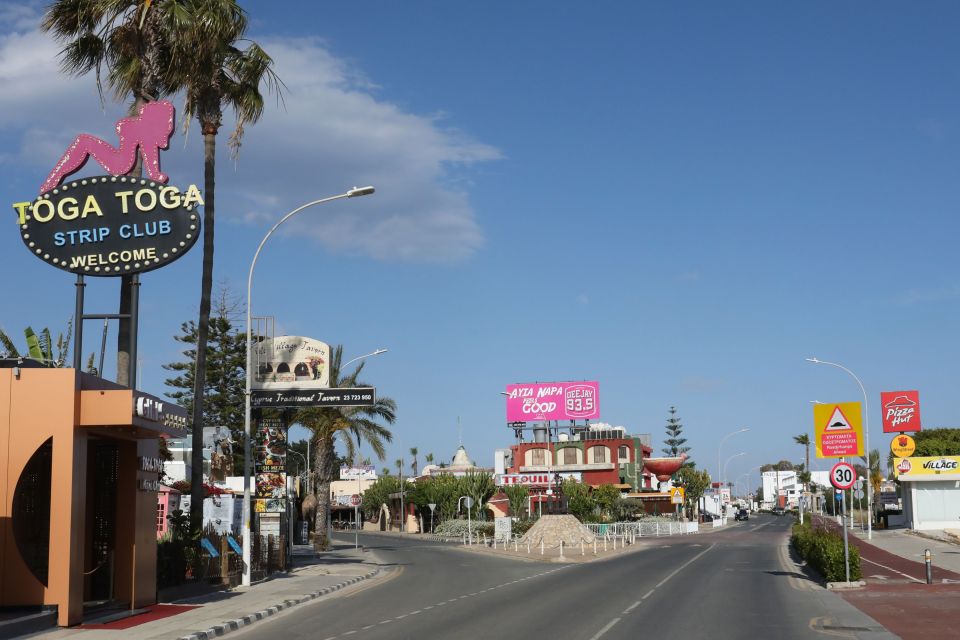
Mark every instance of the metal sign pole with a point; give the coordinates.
(846, 548)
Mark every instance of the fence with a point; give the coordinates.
(641, 529)
(218, 559)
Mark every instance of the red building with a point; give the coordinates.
(594, 455)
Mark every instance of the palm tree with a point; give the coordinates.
(875, 473)
(215, 74)
(804, 439)
(125, 42)
(413, 465)
(153, 49)
(351, 426)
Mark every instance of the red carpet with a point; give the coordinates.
(155, 612)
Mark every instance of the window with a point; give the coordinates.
(598, 454)
(623, 454)
(538, 457)
(570, 455)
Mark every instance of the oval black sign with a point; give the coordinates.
(110, 225)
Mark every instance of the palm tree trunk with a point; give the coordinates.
(203, 331)
(325, 461)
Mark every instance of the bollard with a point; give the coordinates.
(561, 549)
(581, 548)
(515, 545)
(604, 545)
(927, 560)
(541, 546)
(594, 546)
(528, 547)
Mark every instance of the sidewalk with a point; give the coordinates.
(213, 614)
(896, 593)
(898, 554)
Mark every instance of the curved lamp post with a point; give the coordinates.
(720, 446)
(366, 355)
(736, 455)
(866, 440)
(352, 193)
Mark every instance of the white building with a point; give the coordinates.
(930, 488)
(788, 487)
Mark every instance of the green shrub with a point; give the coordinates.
(823, 550)
(522, 526)
(457, 528)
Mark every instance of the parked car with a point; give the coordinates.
(778, 511)
(742, 514)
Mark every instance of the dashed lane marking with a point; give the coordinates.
(606, 628)
(683, 566)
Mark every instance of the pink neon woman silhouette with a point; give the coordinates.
(150, 131)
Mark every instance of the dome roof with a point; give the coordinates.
(462, 460)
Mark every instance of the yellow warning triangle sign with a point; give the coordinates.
(837, 422)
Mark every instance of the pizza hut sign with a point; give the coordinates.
(901, 411)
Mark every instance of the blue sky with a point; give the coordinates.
(679, 202)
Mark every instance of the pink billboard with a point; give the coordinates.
(553, 401)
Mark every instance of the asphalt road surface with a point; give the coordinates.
(735, 583)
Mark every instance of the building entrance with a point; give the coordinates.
(103, 462)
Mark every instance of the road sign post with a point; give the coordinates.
(356, 500)
(844, 476)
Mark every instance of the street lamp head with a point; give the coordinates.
(360, 191)
(813, 360)
(379, 351)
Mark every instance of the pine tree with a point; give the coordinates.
(674, 440)
(226, 372)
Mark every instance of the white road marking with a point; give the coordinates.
(632, 607)
(413, 613)
(648, 594)
(369, 626)
(894, 570)
(606, 628)
(683, 566)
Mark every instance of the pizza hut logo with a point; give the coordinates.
(900, 410)
(904, 467)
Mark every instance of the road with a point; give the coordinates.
(736, 583)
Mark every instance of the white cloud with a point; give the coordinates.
(333, 132)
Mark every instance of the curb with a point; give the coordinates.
(239, 623)
(846, 585)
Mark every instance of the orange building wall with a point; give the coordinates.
(47, 402)
(42, 403)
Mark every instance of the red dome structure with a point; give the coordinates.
(664, 468)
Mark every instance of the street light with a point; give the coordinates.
(866, 440)
(720, 446)
(366, 355)
(736, 455)
(352, 193)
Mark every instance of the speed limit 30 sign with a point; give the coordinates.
(843, 475)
